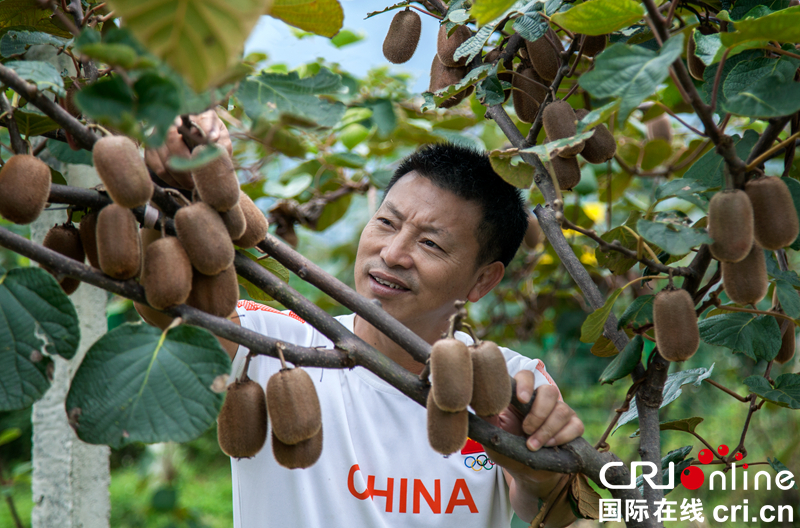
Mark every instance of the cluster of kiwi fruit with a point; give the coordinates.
(290, 403)
(461, 377)
(742, 224)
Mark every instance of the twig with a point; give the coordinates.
(713, 451)
(766, 155)
(717, 78)
(18, 144)
(681, 121)
(780, 51)
(758, 312)
(601, 443)
(726, 390)
(740, 448)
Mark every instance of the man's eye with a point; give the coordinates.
(431, 244)
(384, 221)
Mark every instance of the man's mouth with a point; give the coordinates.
(388, 283)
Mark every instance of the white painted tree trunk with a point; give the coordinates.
(70, 477)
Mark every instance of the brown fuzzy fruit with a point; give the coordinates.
(491, 384)
(451, 374)
(65, 239)
(242, 422)
(153, 317)
(592, 45)
(88, 233)
(300, 455)
(205, 238)
(447, 46)
(544, 58)
(447, 431)
(746, 281)
(533, 235)
(567, 171)
(730, 224)
(293, 406)
(216, 182)
(166, 274)
(215, 294)
(235, 222)
(442, 77)
(527, 95)
(123, 171)
(775, 223)
(559, 121)
(659, 128)
(256, 223)
(675, 322)
(403, 36)
(696, 66)
(119, 248)
(24, 188)
(788, 345)
(601, 147)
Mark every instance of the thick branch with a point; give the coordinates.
(768, 137)
(18, 145)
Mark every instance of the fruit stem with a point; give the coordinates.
(471, 332)
(457, 318)
(244, 376)
(100, 128)
(280, 347)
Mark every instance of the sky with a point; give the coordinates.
(275, 38)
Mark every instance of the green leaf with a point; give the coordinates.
(346, 159)
(490, 90)
(158, 103)
(474, 45)
(673, 238)
(592, 328)
(552, 148)
(519, 175)
(200, 158)
(111, 54)
(484, 11)
(782, 26)
(290, 189)
(708, 170)
(18, 42)
(758, 337)
(672, 390)
(346, 37)
(475, 75)
(687, 425)
(63, 153)
(745, 8)
(785, 392)
(108, 101)
(36, 319)
(598, 17)
(762, 87)
(631, 73)
(597, 116)
(790, 300)
(43, 74)
(321, 17)
(383, 115)
(531, 25)
(774, 270)
(624, 363)
(352, 135)
(272, 266)
(34, 123)
(616, 262)
(137, 384)
(778, 466)
(9, 435)
(271, 95)
(639, 313)
(199, 39)
(680, 187)
(676, 457)
(708, 47)
(398, 5)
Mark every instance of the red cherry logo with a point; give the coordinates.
(722, 450)
(745, 466)
(705, 456)
(692, 477)
(739, 456)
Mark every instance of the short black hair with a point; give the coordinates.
(468, 174)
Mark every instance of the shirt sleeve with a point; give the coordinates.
(517, 362)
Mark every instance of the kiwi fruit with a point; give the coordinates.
(533, 234)
(166, 274)
(506, 76)
(601, 147)
(559, 121)
(256, 223)
(544, 58)
(775, 223)
(215, 294)
(205, 238)
(88, 233)
(119, 248)
(123, 171)
(659, 128)
(447, 431)
(451, 374)
(446, 46)
(730, 224)
(216, 182)
(148, 236)
(594, 44)
(788, 345)
(442, 77)
(491, 384)
(567, 171)
(293, 406)
(242, 422)
(234, 221)
(696, 66)
(153, 317)
(526, 94)
(24, 188)
(300, 455)
(65, 239)
(675, 322)
(403, 36)
(745, 281)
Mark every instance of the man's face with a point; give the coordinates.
(417, 254)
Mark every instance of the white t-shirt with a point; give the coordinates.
(376, 468)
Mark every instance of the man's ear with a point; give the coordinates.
(489, 277)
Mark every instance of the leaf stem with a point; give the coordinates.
(766, 155)
(726, 390)
(758, 312)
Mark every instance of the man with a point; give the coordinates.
(446, 229)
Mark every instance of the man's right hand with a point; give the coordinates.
(157, 159)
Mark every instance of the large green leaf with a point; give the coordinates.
(783, 26)
(473, 45)
(270, 95)
(137, 384)
(34, 123)
(758, 337)
(639, 313)
(778, 466)
(625, 362)
(592, 328)
(673, 238)
(790, 300)
(785, 392)
(18, 42)
(631, 73)
(762, 87)
(531, 25)
(200, 39)
(598, 17)
(108, 101)
(708, 170)
(519, 175)
(62, 152)
(36, 318)
(29, 15)
(484, 11)
(322, 17)
(615, 261)
(43, 74)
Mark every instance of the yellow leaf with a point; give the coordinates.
(322, 17)
(586, 497)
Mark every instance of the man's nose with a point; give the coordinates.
(397, 251)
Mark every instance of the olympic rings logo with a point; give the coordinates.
(479, 463)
